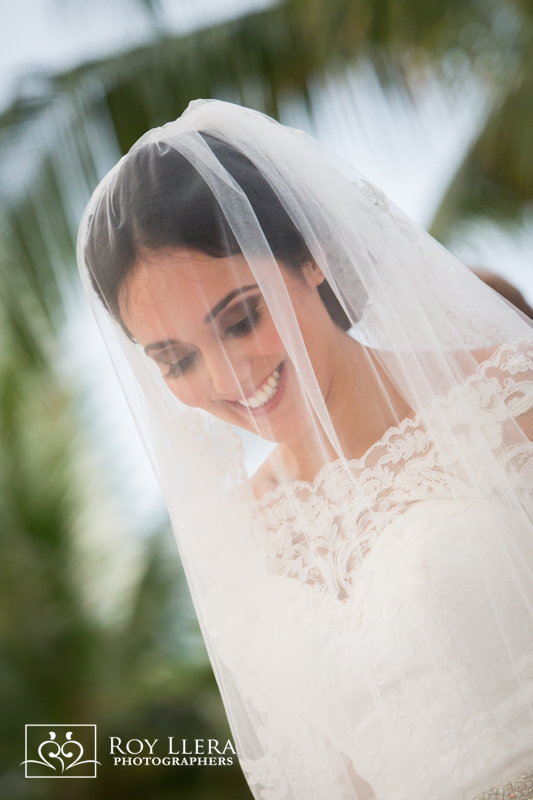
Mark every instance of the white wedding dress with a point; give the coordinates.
(411, 577)
(371, 632)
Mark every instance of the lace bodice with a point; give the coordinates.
(348, 505)
(400, 539)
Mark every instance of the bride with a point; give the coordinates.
(366, 596)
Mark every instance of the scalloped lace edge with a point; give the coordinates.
(396, 430)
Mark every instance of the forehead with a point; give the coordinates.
(173, 290)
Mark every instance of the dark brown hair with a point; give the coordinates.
(159, 200)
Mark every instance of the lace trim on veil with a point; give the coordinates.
(313, 531)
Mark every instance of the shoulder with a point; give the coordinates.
(468, 361)
(520, 373)
(484, 353)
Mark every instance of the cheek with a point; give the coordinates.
(189, 392)
(267, 340)
(193, 391)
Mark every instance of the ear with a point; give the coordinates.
(313, 274)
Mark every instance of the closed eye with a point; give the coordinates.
(165, 353)
(246, 324)
(178, 368)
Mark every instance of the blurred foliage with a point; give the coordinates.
(58, 661)
(260, 60)
(264, 57)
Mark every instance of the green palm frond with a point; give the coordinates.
(56, 141)
(496, 178)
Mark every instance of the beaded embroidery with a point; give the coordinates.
(520, 787)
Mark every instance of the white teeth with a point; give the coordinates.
(265, 393)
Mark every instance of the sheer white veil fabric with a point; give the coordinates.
(369, 616)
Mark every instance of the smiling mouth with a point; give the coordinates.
(264, 394)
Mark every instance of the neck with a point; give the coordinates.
(361, 402)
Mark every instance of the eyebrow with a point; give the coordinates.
(227, 299)
(220, 306)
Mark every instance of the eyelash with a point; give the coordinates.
(180, 367)
(242, 328)
(246, 324)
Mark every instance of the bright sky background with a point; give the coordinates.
(409, 151)
(54, 35)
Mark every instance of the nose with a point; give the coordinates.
(227, 375)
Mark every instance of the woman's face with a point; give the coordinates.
(204, 322)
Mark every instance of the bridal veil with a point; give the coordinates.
(367, 598)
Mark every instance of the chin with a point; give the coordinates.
(285, 431)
